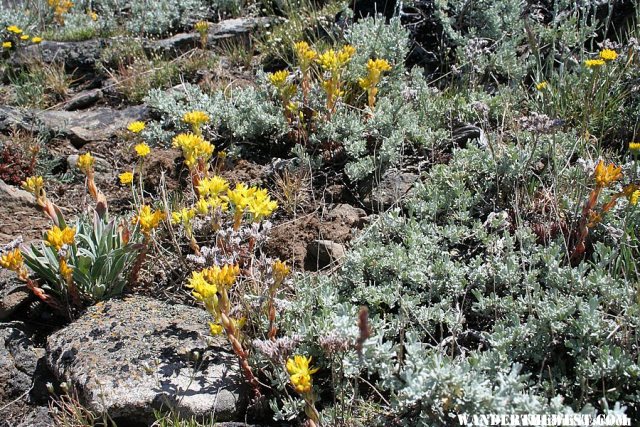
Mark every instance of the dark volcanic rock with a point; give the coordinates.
(129, 357)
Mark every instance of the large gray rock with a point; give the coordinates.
(80, 127)
(77, 56)
(129, 357)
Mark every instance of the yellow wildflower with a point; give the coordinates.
(33, 184)
(260, 205)
(594, 63)
(93, 15)
(7, 45)
(12, 260)
(183, 216)
(222, 277)
(634, 146)
(14, 29)
(305, 55)
(608, 54)
(142, 149)
(215, 329)
(65, 271)
(203, 290)
(279, 78)
(300, 374)
(195, 118)
(36, 40)
(605, 175)
(126, 178)
(85, 163)
(333, 61)
(240, 196)
(541, 85)
(24, 37)
(634, 197)
(202, 206)
(194, 148)
(136, 127)
(210, 187)
(280, 271)
(375, 68)
(148, 219)
(57, 237)
(201, 26)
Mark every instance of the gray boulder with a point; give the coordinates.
(128, 357)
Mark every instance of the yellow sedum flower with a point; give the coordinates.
(594, 63)
(24, 37)
(142, 149)
(194, 148)
(332, 60)
(300, 373)
(634, 146)
(279, 78)
(57, 237)
(7, 45)
(12, 260)
(36, 40)
(136, 127)
(215, 329)
(183, 216)
(195, 118)
(126, 178)
(201, 26)
(608, 54)
(148, 219)
(304, 54)
(280, 271)
(65, 271)
(541, 85)
(33, 184)
(85, 163)
(260, 205)
(14, 29)
(208, 282)
(375, 68)
(211, 187)
(605, 175)
(634, 197)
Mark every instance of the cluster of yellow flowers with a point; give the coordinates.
(300, 373)
(126, 178)
(334, 61)
(201, 26)
(12, 260)
(605, 175)
(60, 7)
(18, 32)
(375, 68)
(85, 163)
(305, 55)
(214, 193)
(195, 149)
(148, 219)
(34, 185)
(57, 238)
(605, 55)
(542, 85)
(196, 119)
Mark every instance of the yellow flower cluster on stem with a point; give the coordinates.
(594, 63)
(211, 287)
(286, 89)
(375, 68)
(142, 149)
(305, 56)
(60, 8)
(148, 219)
(280, 271)
(334, 62)
(202, 27)
(126, 178)
(608, 54)
(605, 175)
(57, 238)
(300, 376)
(196, 119)
(35, 186)
(86, 164)
(255, 200)
(136, 127)
(195, 150)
